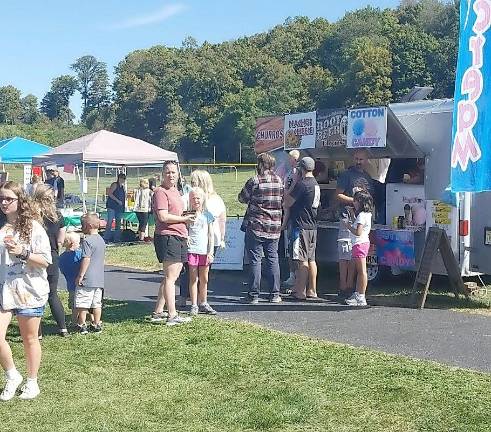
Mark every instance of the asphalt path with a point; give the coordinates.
(448, 337)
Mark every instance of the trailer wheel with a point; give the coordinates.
(373, 271)
(377, 274)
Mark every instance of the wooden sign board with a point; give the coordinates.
(436, 240)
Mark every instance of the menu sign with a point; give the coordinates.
(367, 127)
(299, 131)
(269, 134)
(331, 128)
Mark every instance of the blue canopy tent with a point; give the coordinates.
(19, 150)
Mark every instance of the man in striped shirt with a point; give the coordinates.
(263, 194)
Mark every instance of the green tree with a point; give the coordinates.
(412, 51)
(368, 79)
(55, 104)
(30, 111)
(10, 105)
(93, 84)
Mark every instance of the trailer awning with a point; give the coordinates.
(399, 145)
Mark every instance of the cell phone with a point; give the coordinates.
(189, 212)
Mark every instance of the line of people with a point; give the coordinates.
(289, 206)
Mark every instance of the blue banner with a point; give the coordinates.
(395, 248)
(471, 134)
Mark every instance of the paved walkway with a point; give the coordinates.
(444, 336)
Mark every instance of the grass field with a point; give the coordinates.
(215, 375)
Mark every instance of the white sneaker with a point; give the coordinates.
(10, 388)
(289, 282)
(356, 300)
(29, 391)
(177, 320)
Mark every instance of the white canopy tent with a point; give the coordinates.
(104, 148)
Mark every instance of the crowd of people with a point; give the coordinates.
(32, 231)
(190, 223)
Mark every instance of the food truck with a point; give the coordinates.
(410, 134)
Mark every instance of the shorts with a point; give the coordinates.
(197, 260)
(29, 312)
(344, 249)
(360, 250)
(303, 244)
(86, 298)
(170, 248)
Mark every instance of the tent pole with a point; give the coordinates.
(84, 204)
(96, 189)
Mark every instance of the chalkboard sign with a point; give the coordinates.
(232, 257)
(436, 240)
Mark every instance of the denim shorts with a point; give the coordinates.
(29, 312)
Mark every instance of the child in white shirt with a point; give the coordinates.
(363, 203)
(200, 252)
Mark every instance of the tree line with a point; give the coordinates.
(199, 98)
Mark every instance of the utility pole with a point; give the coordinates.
(240, 152)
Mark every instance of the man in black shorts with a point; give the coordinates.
(306, 200)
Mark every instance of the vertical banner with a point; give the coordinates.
(331, 128)
(471, 140)
(269, 134)
(299, 131)
(367, 127)
(27, 175)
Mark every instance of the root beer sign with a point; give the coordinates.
(331, 128)
(269, 134)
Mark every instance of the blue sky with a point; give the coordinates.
(41, 38)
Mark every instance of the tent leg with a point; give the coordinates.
(96, 189)
(84, 204)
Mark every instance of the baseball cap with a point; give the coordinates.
(307, 163)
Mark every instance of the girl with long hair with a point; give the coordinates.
(363, 203)
(54, 224)
(200, 252)
(143, 206)
(24, 256)
(214, 204)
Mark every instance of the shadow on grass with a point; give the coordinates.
(117, 311)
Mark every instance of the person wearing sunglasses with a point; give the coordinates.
(25, 254)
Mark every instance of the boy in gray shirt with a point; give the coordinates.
(90, 279)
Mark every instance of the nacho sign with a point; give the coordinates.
(299, 131)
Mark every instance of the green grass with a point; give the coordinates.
(214, 375)
(139, 256)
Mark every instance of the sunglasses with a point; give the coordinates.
(8, 200)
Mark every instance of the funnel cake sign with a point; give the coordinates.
(471, 152)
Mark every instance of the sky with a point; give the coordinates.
(41, 38)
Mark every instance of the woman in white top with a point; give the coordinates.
(143, 206)
(25, 253)
(214, 204)
(363, 203)
(35, 182)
